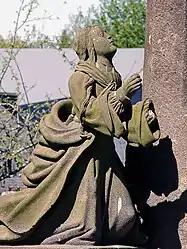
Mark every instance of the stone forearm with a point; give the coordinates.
(121, 96)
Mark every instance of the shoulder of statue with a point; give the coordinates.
(79, 78)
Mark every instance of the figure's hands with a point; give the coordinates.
(150, 115)
(132, 85)
(149, 112)
(128, 88)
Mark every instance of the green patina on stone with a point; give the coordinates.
(76, 194)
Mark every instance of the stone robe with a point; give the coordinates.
(75, 191)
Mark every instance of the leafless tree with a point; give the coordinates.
(18, 125)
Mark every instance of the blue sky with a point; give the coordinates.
(57, 8)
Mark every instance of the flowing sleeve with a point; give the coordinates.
(101, 113)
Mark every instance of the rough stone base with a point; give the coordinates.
(69, 247)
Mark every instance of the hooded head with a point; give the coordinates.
(93, 41)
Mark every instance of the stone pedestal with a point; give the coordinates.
(69, 247)
(165, 82)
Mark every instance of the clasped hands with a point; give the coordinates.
(128, 89)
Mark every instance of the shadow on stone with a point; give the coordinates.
(162, 222)
(154, 169)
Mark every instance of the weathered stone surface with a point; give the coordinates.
(69, 247)
(75, 187)
(165, 81)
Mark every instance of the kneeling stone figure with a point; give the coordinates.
(76, 193)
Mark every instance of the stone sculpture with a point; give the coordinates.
(76, 194)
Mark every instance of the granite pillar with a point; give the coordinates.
(165, 82)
